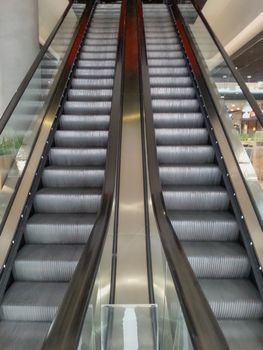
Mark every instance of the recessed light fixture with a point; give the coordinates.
(224, 76)
(233, 105)
(249, 76)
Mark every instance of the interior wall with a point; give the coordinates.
(234, 21)
(19, 44)
(49, 13)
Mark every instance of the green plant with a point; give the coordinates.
(244, 137)
(8, 145)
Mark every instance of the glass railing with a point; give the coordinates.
(173, 330)
(91, 334)
(21, 127)
(239, 111)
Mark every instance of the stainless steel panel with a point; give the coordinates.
(131, 281)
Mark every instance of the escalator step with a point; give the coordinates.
(93, 73)
(165, 54)
(170, 82)
(59, 228)
(160, 35)
(163, 47)
(178, 120)
(102, 42)
(92, 83)
(190, 175)
(175, 106)
(67, 200)
(104, 30)
(95, 56)
(28, 335)
(95, 64)
(32, 301)
(233, 298)
(90, 95)
(166, 62)
(245, 335)
(77, 156)
(158, 41)
(102, 36)
(172, 92)
(57, 176)
(185, 154)
(46, 262)
(204, 226)
(94, 107)
(195, 198)
(217, 259)
(98, 48)
(84, 122)
(81, 139)
(198, 136)
(168, 30)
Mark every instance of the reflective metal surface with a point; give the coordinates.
(130, 327)
(131, 279)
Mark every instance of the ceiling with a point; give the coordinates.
(249, 59)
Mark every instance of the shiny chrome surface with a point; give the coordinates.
(131, 278)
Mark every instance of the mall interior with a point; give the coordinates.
(131, 175)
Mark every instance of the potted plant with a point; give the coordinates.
(8, 150)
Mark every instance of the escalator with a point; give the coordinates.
(97, 264)
(195, 194)
(68, 198)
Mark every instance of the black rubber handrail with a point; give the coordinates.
(238, 77)
(66, 329)
(22, 87)
(203, 328)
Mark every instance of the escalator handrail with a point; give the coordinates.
(203, 328)
(238, 77)
(22, 87)
(67, 326)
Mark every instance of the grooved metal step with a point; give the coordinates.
(81, 139)
(77, 156)
(73, 228)
(84, 122)
(197, 136)
(178, 120)
(32, 301)
(195, 198)
(46, 262)
(204, 225)
(217, 259)
(67, 200)
(60, 177)
(190, 175)
(185, 154)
